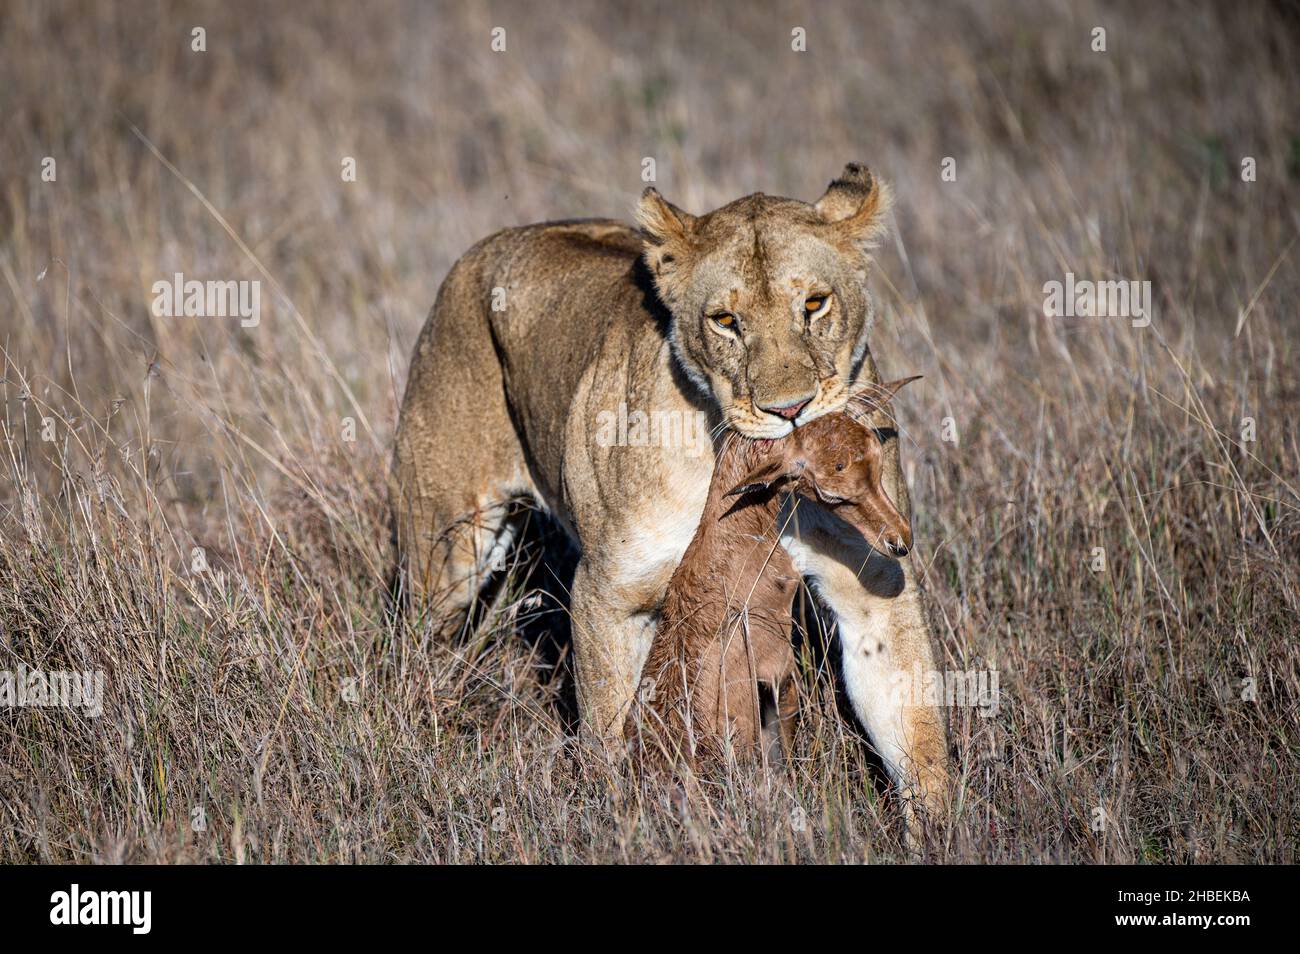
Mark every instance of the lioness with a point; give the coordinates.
(757, 315)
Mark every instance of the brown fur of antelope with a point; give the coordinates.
(720, 675)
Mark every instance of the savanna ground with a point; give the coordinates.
(272, 697)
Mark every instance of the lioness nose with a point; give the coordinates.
(790, 411)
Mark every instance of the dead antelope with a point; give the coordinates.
(721, 670)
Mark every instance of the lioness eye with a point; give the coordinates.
(813, 305)
(724, 320)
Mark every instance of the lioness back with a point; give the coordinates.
(523, 319)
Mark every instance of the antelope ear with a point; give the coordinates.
(662, 221)
(856, 202)
(872, 397)
(760, 478)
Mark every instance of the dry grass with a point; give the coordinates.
(1120, 689)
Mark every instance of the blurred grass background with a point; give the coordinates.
(272, 693)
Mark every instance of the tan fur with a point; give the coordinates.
(502, 405)
(720, 676)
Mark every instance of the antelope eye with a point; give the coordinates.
(724, 320)
(839, 466)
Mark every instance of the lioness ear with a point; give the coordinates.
(856, 202)
(662, 221)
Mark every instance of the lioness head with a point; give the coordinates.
(768, 297)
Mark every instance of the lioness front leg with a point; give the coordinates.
(883, 633)
(611, 639)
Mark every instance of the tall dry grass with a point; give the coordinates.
(272, 696)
